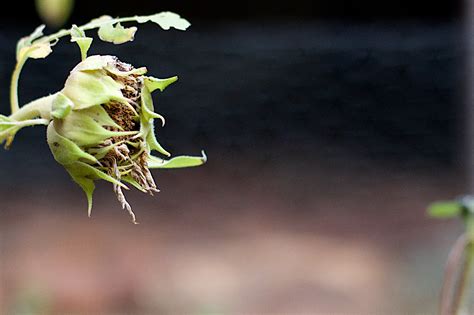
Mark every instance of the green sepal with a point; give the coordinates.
(148, 107)
(101, 152)
(65, 151)
(99, 114)
(84, 175)
(147, 130)
(445, 209)
(89, 88)
(85, 131)
(87, 186)
(154, 83)
(177, 162)
(116, 34)
(130, 180)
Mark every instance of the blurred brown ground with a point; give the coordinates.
(326, 142)
(262, 241)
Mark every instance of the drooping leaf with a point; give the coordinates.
(166, 20)
(154, 83)
(177, 162)
(148, 108)
(37, 51)
(27, 40)
(84, 175)
(97, 22)
(116, 34)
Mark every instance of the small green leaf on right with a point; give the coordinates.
(116, 34)
(445, 209)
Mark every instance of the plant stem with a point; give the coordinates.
(38, 108)
(459, 300)
(14, 103)
(454, 258)
(14, 85)
(460, 293)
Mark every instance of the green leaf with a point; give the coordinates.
(177, 162)
(61, 106)
(5, 123)
(35, 51)
(27, 40)
(97, 22)
(9, 127)
(148, 108)
(154, 83)
(166, 20)
(116, 34)
(31, 47)
(155, 145)
(445, 209)
(79, 37)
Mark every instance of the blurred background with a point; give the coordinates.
(329, 127)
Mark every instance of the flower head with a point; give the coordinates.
(102, 127)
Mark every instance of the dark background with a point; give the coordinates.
(364, 10)
(329, 126)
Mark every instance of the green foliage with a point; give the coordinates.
(101, 124)
(445, 209)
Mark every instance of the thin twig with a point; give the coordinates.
(454, 260)
(464, 277)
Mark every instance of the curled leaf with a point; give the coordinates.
(37, 51)
(78, 36)
(116, 34)
(27, 40)
(177, 162)
(154, 83)
(166, 20)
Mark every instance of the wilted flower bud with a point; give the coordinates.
(102, 127)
